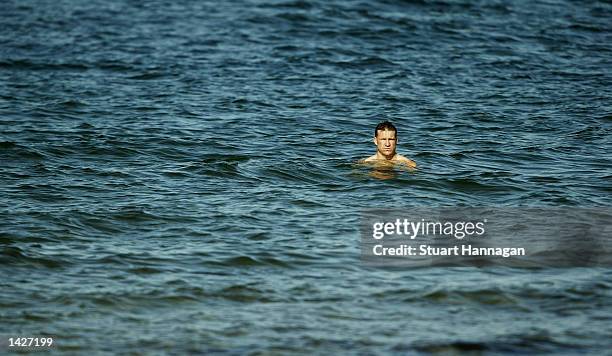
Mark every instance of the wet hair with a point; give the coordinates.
(385, 125)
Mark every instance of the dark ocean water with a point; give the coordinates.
(179, 176)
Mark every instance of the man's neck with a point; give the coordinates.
(381, 156)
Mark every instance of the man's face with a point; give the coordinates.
(385, 141)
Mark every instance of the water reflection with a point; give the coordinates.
(386, 170)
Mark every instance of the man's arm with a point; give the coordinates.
(407, 161)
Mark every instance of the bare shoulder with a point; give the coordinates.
(369, 159)
(406, 161)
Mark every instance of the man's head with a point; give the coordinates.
(385, 139)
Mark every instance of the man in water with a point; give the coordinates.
(385, 139)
